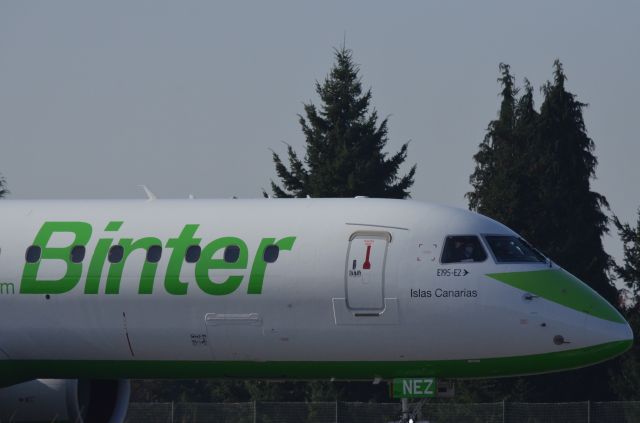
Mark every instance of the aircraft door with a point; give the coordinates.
(364, 273)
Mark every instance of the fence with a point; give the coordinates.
(348, 412)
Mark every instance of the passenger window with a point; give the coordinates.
(231, 253)
(193, 254)
(154, 253)
(463, 249)
(33, 254)
(511, 249)
(116, 253)
(271, 253)
(77, 253)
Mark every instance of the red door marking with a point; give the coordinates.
(367, 263)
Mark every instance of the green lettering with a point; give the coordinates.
(172, 282)
(99, 257)
(260, 266)
(223, 283)
(148, 273)
(207, 263)
(113, 226)
(30, 283)
(95, 266)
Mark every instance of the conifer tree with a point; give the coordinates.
(625, 380)
(533, 173)
(3, 187)
(629, 271)
(497, 174)
(344, 144)
(570, 221)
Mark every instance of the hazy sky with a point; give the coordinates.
(188, 97)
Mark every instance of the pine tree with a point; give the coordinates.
(344, 144)
(629, 271)
(3, 187)
(533, 173)
(570, 221)
(494, 179)
(625, 379)
(502, 179)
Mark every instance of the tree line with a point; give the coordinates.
(533, 172)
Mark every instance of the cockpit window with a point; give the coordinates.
(463, 249)
(511, 249)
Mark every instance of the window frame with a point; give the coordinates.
(109, 254)
(146, 256)
(264, 253)
(84, 253)
(186, 252)
(224, 253)
(546, 261)
(26, 253)
(480, 242)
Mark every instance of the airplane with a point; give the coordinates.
(94, 293)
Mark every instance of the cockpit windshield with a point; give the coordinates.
(511, 249)
(462, 249)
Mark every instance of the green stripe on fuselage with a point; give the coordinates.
(19, 370)
(563, 288)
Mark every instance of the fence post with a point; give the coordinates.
(336, 411)
(504, 412)
(172, 412)
(255, 412)
(588, 411)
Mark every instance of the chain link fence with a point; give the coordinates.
(349, 412)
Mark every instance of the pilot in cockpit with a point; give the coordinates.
(467, 253)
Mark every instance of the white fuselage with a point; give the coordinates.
(316, 303)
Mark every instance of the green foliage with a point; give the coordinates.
(570, 221)
(492, 390)
(196, 390)
(625, 378)
(3, 187)
(629, 272)
(344, 144)
(231, 390)
(502, 181)
(625, 375)
(533, 173)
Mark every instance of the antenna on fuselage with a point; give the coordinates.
(150, 195)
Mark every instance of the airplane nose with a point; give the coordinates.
(561, 287)
(604, 327)
(605, 324)
(607, 332)
(618, 336)
(628, 333)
